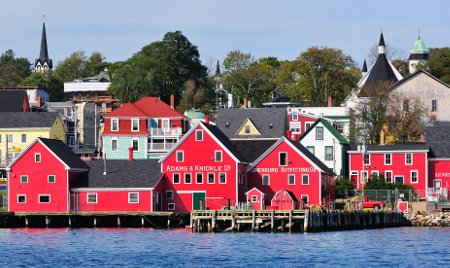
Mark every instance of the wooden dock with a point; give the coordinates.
(292, 220)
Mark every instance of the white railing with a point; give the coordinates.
(174, 131)
(158, 147)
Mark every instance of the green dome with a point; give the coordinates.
(419, 47)
(194, 114)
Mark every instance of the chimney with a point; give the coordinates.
(245, 102)
(39, 102)
(288, 133)
(130, 153)
(382, 137)
(207, 119)
(330, 101)
(172, 101)
(422, 136)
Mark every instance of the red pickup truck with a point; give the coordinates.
(372, 204)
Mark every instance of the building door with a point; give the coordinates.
(197, 200)
(399, 179)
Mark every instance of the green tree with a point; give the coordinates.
(47, 81)
(159, 69)
(324, 72)
(402, 66)
(439, 63)
(341, 187)
(78, 65)
(12, 69)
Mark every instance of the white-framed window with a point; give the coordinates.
(319, 133)
(37, 157)
(199, 135)
(388, 176)
(375, 173)
(23, 138)
(247, 129)
(329, 154)
(414, 176)
(218, 156)
(366, 159)
(180, 156)
(24, 179)
(187, 178)
(305, 179)
(91, 198)
(171, 206)
(211, 179)
(295, 127)
(10, 138)
(433, 105)
(265, 179)
(222, 178)
(282, 159)
(408, 159)
(114, 124)
(291, 179)
(135, 124)
(176, 178)
(135, 145)
(169, 194)
(364, 176)
(51, 178)
(312, 149)
(21, 198)
(133, 198)
(44, 198)
(254, 198)
(388, 159)
(199, 178)
(294, 117)
(166, 124)
(114, 146)
(304, 198)
(308, 125)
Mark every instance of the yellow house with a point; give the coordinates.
(18, 130)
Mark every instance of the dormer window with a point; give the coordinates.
(115, 124)
(135, 124)
(247, 129)
(295, 117)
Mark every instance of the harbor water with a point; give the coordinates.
(411, 247)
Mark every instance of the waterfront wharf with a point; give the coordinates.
(292, 220)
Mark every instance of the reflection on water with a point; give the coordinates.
(426, 247)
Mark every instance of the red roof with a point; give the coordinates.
(146, 107)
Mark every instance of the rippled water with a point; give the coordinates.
(412, 247)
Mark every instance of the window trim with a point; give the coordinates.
(132, 124)
(307, 198)
(112, 124)
(364, 159)
(23, 176)
(129, 198)
(313, 149)
(132, 144)
(197, 132)
(220, 177)
(181, 152)
(173, 178)
(171, 194)
(54, 178)
(411, 177)
(385, 176)
(22, 138)
(294, 117)
(196, 177)
(332, 153)
(36, 160)
(289, 179)
(279, 159)
(317, 132)
(406, 162)
(12, 138)
(364, 176)
(21, 195)
(171, 206)
(390, 159)
(43, 195)
(375, 172)
(254, 198)
(213, 178)
(184, 178)
(117, 145)
(293, 126)
(308, 125)
(249, 129)
(89, 195)
(268, 179)
(434, 105)
(215, 156)
(303, 176)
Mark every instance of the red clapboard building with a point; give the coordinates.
(290, 167)
(405, 163)
(203, 170)
(40, 178)
(299, 122)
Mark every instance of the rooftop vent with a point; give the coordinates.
(227, 124)
(271, 125)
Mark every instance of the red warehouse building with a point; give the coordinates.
(288, 166)
(119, 186)
(406, 164)
(203, 170)
(40, 178)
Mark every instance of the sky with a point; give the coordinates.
(283, 29)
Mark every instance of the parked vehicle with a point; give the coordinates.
(372, 204)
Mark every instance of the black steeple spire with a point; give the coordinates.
(382, 40)
(217, 69)
(364, 68)
(43, 55)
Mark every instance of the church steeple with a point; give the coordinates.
(364, 68)
(217, 69)
(419, 54)
(381, 45)
(43, 63)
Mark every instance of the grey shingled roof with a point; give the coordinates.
(252, 149)
(262, 118)
(143, 173)
(224, 140)
(438, 138)
(65, 153)
(27, 120)
(12, 101)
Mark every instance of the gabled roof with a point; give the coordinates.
(437, 136)
(382, 70)
(216, 134)
(12, 101)
(27, 120)
(270, 122)
(248, 122)
(123, 174)
(328, 126)
(417, 73)
(60, 151)
(252, 149)
(127, 110)
(291, 195)
(311, 158)
(254, 188)
(146, 107)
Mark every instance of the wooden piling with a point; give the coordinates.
(272, 220)
(290, 221)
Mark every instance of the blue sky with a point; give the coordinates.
(280, 28)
